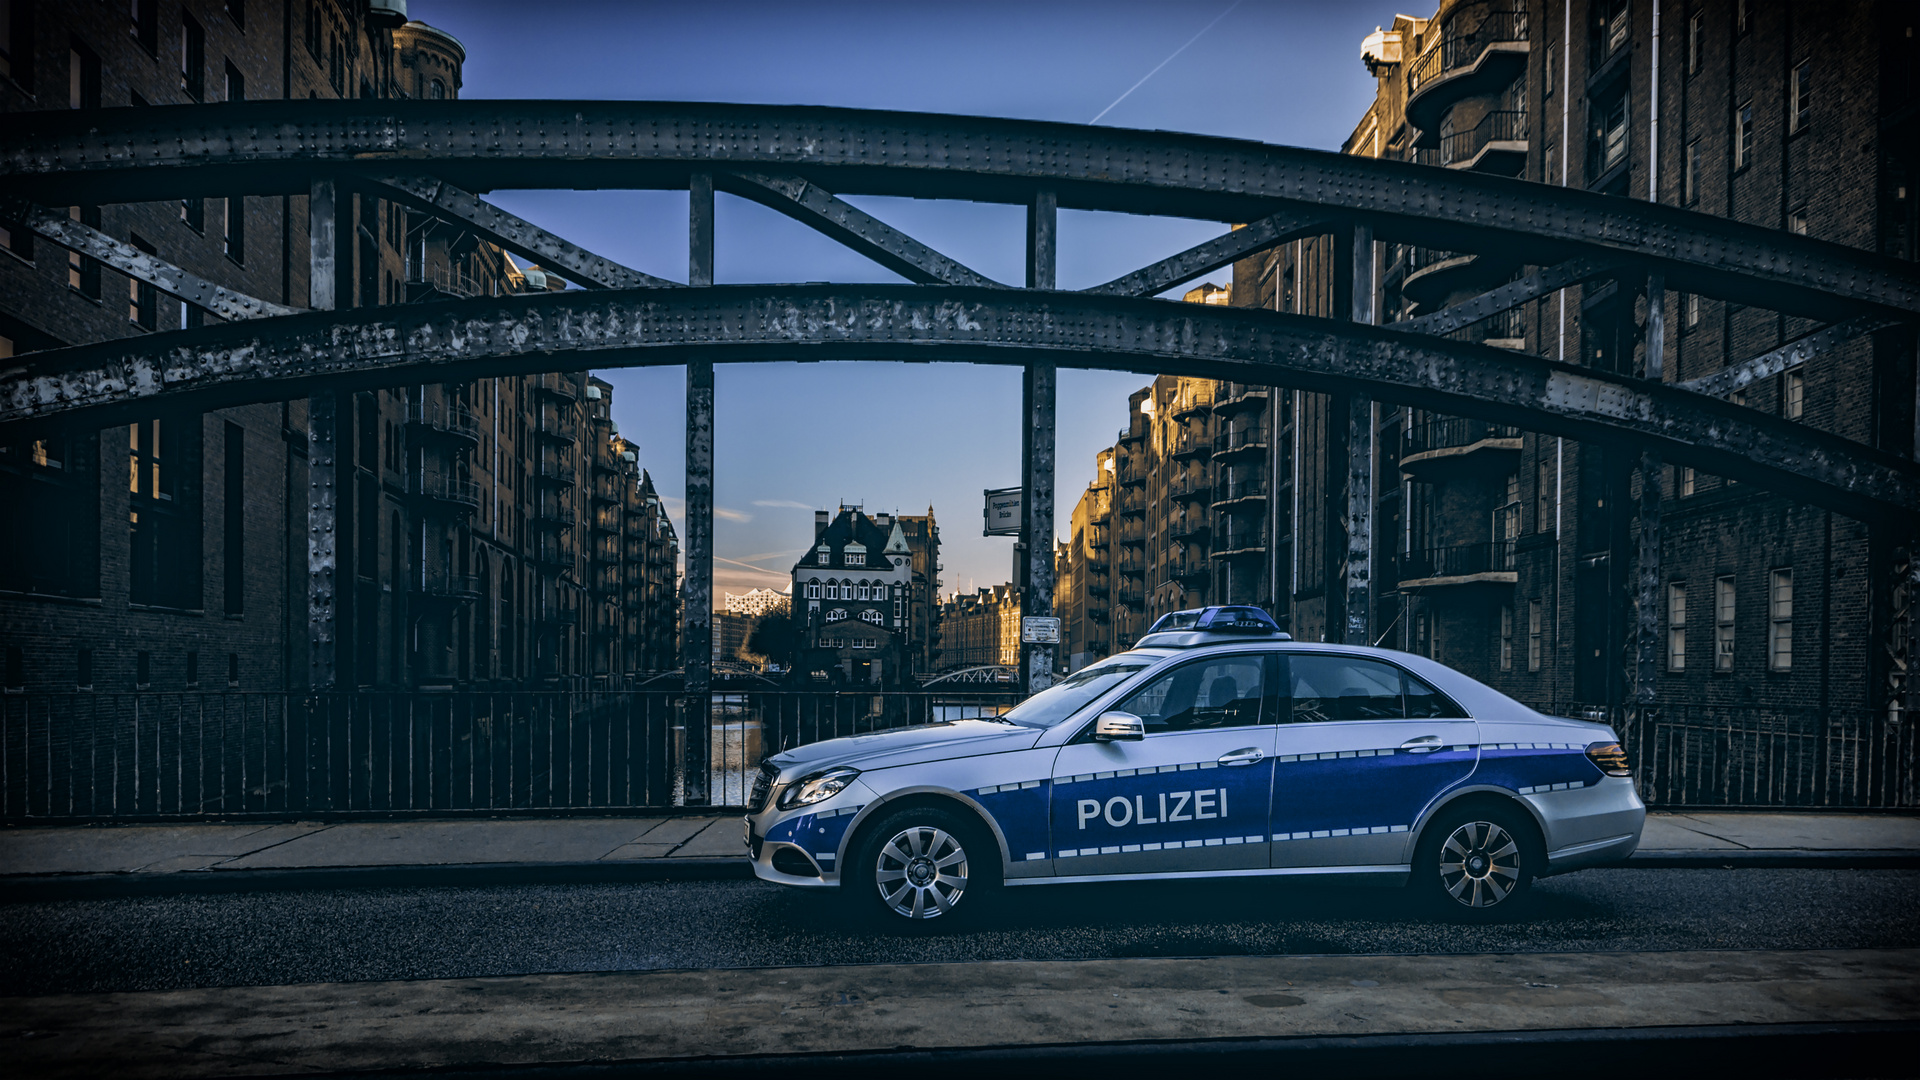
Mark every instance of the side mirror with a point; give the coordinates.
(1119, 726)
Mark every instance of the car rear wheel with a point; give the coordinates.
(1477, 864)
(926, 864)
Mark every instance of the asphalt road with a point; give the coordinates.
(282, 937)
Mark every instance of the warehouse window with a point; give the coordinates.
(1793, 394)
(1506, 637)
(83, 271)
(193, 58)
(1536, 638)
(83, 78)
(1743, 135)
(1723, 623)
(143, 303)
(1677, 626)
(1780, 620)
(1799, 97)
(1690, 178)
(236, 228)
(1696, 41)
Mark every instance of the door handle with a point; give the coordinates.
(1245, 756)
(1422, 744)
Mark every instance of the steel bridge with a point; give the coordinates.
(439, 156)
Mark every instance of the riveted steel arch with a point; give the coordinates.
(644, 327)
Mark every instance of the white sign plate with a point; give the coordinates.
(1005, 512)
(1040, 630)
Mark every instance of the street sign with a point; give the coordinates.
(1039, 630)
(1005, 511)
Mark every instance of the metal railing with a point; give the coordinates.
(1239, 536)
(1186, 486)
(84, 756)
(557, 471)
(1500, 125)
(1748, 757)
(1451, 432)
(450, 280)
(558, 384)
(1187, 526)
(444, 416)
(1240, 487)
(1457, 560)
(1250, 437)
(1469, 30)
(445, 488)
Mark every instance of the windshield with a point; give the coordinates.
(1064, 698)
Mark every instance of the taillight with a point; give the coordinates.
(1609, 758)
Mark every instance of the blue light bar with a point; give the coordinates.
(1231, 620)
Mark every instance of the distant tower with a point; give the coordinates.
(430, 61)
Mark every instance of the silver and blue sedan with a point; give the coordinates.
(1216, 748)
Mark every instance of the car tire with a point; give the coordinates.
(1477, 863)
(924, 867)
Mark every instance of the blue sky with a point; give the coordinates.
(790, 438)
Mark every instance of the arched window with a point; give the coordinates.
(436, 90)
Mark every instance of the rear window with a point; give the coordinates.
(1329, 687)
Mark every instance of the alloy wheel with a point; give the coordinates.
(1479, 864)
(921, 872)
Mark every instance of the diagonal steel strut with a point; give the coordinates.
(516, 234)
(1268, 232)
(1511, 295)
(134, 263)
(819, 209)
(1792, 354)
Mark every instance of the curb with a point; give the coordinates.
(39, 888)
(1748, 1050)
(1777, 859)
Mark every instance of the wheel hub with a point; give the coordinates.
(920, 871)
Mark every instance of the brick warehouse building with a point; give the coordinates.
(1511, 555)
(492, 533)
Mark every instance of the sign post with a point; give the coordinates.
(1005, 512)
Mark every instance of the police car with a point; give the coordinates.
(1217, 747)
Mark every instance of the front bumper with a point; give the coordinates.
(813, 838)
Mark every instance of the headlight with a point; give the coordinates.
(1609, 758)
(817, 787)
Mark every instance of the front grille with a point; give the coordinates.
(762, 787)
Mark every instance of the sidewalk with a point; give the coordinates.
(709, 846)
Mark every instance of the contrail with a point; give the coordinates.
(1168, 60)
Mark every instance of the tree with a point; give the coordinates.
(777, 637)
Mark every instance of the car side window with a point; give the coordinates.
(1327, 688)
(1225, 691)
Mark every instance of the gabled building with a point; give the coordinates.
(851, 591)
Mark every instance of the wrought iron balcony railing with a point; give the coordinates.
(441, 487)
(1451, 432)
(1469, 30)
(1501, 125)
(444, 417)
(1457, 560)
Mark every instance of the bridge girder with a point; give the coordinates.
(108, 156)
(631, 328)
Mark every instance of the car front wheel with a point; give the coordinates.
(924, 863)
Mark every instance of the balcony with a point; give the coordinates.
(554, 549)
(1189, 527)
(1240, 539)
(457, 588)
(1497, 144)
(556, 384)
(558, 423)
(1190, 571)
(1195, 488)
(557, 472)
(1443, 448)
(447, 491)
(1241, 443)
(1133, 593)
(1482, 48)
(1132, 563)
(1132, 472)
(1486, 563)
(1132, 503)
(607, 519)
(1240, 396)
(1101, 587)
(1133, 532)
(604, 579)
(1239, 489)
(1188, 406)
(1097, 537)
(1191, 444)
(555, 513)
(1433, 275)
(448, 419)
(443, 280)
(607, 488)
(1128, 435)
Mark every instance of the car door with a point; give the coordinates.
(1191, 795)
(1363, 748)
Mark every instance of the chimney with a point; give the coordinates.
(883, 520)
(820, 518)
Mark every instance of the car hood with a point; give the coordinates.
(909, 746)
